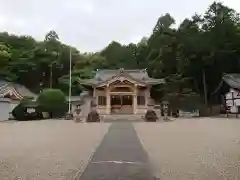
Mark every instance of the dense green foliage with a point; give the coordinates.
(192, 56)
(21, 113)
(53, 101)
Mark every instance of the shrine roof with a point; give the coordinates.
(233, 80)
(138, 75)
(18, 90)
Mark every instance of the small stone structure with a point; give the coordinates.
(165, 105)
(77, 114)
(93, 115)
(151, 115)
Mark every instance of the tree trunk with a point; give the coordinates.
(205, 87)
(51, 76)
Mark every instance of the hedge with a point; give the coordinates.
(53, 101)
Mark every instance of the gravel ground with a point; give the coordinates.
(193, 149)
(47, 150)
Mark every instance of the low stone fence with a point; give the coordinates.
(194, 113)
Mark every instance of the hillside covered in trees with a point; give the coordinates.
(192, 56)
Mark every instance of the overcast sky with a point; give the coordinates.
(90, 25)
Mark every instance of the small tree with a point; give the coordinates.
(53, 101)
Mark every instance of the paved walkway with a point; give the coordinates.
(120, 156)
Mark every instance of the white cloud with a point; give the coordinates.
(80, 6)
(19, 23)
(2, 21)
(235, 4)
(92, 24)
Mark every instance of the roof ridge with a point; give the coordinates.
(119, 69)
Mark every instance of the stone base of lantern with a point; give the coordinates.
(77, 118)
(69, 116)
(151, 116)
(93, 116)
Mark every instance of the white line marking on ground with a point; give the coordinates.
(118, 162)
(80, 172)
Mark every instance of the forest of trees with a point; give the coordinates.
(192, 57)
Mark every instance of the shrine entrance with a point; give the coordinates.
(121, 104)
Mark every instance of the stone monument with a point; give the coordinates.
(93, 115)
(165, 108)
(77, 113)
(151, 115)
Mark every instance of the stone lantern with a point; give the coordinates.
(93, 115)
(165, 108)
(151, 115)
(93, 105)
(150, 104)
(78, 111)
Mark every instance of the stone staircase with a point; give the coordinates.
(122, 118)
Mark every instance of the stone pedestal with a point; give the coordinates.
(151, 115)
(93, 115)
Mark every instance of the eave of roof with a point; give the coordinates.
(93, 82)
(124, 75)
(233, 80)
(88, 82)
(8, 90)
(152, 81)
(18, 90)
(144, 81)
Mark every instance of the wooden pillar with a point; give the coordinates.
(135, 100)
(95, 98)
(94, 92)
(147, 96)
(108, 107)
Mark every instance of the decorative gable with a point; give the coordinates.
(121, 77)
(11, 93)
(124, 82)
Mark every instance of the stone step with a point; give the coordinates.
(122, 120)
(110, 118)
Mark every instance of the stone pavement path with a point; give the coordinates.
(120, 156)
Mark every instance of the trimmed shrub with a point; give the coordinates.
(20, 111)
(151, 116)
(54, 102)
(93, 116)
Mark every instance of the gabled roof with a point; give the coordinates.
(233, 80)
(139, 76)
(16, 90)
(122, 75)
(10, 92)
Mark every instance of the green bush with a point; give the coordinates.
(53, 101)
(20, 111)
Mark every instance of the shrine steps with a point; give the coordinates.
(122, 117)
